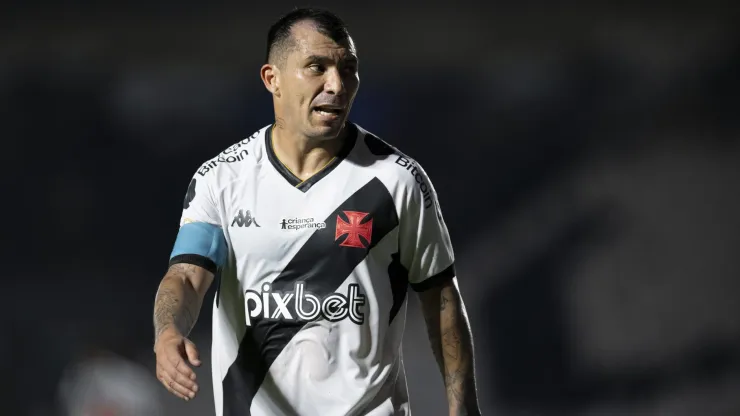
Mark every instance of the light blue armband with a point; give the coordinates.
(201, 244)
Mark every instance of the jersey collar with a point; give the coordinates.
(296, 182)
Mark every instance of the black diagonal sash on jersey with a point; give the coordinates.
(323, 265)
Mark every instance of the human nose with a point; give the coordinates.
(334, 83)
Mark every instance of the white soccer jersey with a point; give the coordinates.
(311, 304)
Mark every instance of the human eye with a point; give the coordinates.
(350, 67)
(316, 68)
(349, 64)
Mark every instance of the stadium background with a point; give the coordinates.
(587, 161)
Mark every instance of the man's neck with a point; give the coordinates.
(304, 156)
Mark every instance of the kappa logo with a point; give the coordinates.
(244, 218)
(354, 228)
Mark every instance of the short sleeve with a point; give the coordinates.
(425, 246)
(200, 240)
(199, 204)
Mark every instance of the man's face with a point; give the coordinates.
(318, 83)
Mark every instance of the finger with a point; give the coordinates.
(171, 386)
(186, 383)
(179, 383)
(177, 375)
(192, 352)
(179, 364)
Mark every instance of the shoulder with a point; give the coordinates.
(233, 160)
(395, 165)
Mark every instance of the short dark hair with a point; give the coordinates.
(280, 39)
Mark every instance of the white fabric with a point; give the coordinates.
(328, 368)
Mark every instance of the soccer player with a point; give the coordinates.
(315, 228)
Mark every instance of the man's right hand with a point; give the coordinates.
(174, 352)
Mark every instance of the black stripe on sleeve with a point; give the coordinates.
(435, 280)
(196, 260)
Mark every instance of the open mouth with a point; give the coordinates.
(328, 110)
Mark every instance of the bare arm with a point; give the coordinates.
(176, 309)
(452, 345)
(179, 299)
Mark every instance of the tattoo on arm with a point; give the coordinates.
(177, 303)
(451, 343)
(451, 339)
(431, 315)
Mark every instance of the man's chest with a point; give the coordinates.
(272, 227)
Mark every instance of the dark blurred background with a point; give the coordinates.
(586, 158)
